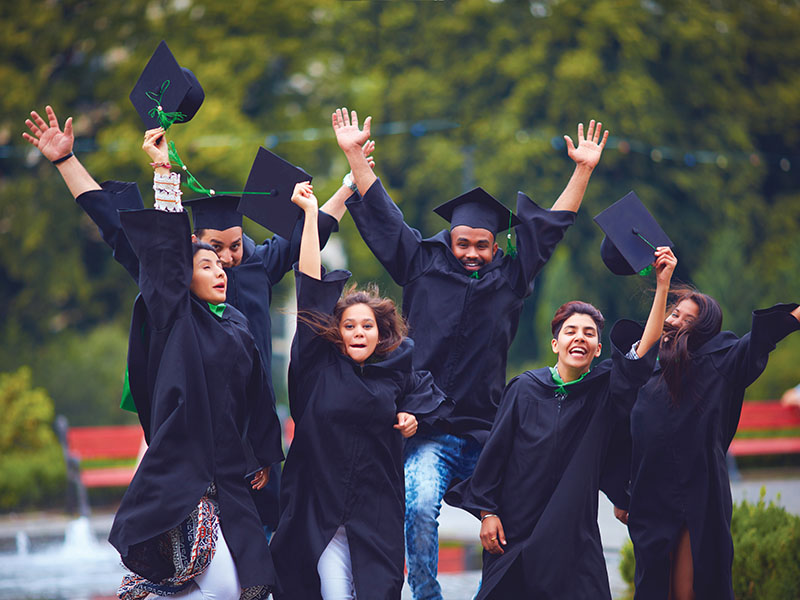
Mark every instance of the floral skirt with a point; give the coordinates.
(166, 564)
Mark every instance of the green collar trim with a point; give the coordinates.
(217, 309)
(561, 387)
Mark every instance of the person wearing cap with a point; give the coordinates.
(535, 487)
(462, 298)
(187, 524)
(354, 396)
(678, 502)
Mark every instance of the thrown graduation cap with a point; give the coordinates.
(215, 212)
(275, 209)
(166, 93)
(632, 236)
(477, 209)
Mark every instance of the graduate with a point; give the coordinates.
(354, 396)
(682, 425)
(462, 297)
(187, 524)
(536, 483)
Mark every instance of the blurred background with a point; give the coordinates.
(702, 99)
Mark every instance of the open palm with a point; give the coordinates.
(589, 148)
(51, 141)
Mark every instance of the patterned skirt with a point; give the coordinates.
(167, 564)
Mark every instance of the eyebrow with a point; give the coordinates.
(216, 241)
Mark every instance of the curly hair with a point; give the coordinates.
(392, 328)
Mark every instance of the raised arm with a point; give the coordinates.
(351, 140)
(335, 205)
(310, 262)
(56, 146)
(665, 263)
(586, 156)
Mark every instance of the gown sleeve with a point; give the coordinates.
(537, 237)
(162, 243)
(482, 490)
(746, 358)
(102, 206)
(423, 399)
(279, 254)
(397, 246)
(628, 374)
(262, 428)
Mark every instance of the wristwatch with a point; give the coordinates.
(347, 181)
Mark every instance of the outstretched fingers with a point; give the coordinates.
(51, 116)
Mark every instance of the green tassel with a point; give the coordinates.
(646, 271)
(475, 275)
(165, 119)
(511, 249)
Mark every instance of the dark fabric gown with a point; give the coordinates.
(462, 326)
(250, 285)
(201, 396)
(679, 475)
(540, 472)
(345, 464)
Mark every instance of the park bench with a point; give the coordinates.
(760, 418)
(106, 443)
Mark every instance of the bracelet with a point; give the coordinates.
(347, 181)
(58, 161)
(486, 516)
(157, 165)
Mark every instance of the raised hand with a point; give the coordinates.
(406, 423)
(345, 126)
(51, 141)
(303, 196)
(590, 148)
(155, 145)
(665, 263)
(368, 148)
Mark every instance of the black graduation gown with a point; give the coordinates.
(250, 286)
(540, 473)
(462, 326)
(200, 393)
(345, 465)
(679, 474)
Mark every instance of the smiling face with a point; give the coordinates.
(359, 332)
(227, 243)
(472, 247)
(577, 344)
(209, 281)
(684, 314)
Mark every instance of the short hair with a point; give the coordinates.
(198, 233)
(392, 328)
(576, 307)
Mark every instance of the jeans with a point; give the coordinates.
(432, 461)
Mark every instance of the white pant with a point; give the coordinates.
(335, 569)
(219, 581)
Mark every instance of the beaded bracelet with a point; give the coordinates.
(157, 165)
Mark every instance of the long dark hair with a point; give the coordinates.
(679, 344)
(392, 328)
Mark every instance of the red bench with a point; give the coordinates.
(113, 442)
(762, 417)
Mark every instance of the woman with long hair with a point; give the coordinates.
(535, 487)
(353, 396)
(187, 526)
(682, 424)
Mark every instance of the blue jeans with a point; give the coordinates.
(432, 461)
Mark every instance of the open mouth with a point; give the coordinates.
(472, 265)
(358, 345)
(578, 351)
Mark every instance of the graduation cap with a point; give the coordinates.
(477, 209)
(273, 209)
(215, 212)
(632, 236)
(166, 93)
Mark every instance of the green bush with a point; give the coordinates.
(32, 471)
(766, 560)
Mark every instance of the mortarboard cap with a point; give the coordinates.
(632, 235)
(164, 83)
(276, 211)
(215, 212)
(477, 209)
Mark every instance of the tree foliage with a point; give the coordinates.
(702, 100)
